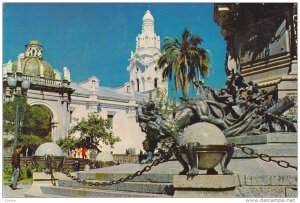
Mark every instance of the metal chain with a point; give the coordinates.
(246, 150)
(52, 178)
(130, 177)
(265, 157)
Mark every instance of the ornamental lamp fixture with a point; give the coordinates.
(12, 82)
(20, 87)
(25, 85)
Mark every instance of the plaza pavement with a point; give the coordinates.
(18, 193)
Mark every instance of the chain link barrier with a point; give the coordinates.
(129, 177)
(165, 158)
(265, 157)
(53, 180)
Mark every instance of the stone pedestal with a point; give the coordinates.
(206, 186)
(42, 179)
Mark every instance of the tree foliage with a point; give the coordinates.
(32, 140)
(39, 122)
(9, 114)
(93, 131)
(185, 59)
(68, 143)
(35, 122)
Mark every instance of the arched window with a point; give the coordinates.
(33, 52)
(146, 41)
(155, 83)
(137, 84)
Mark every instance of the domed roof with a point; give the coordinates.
(148, 16)
(31, 66)
(34, 42)
(32, 63)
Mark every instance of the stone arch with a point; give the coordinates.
(40, 103)
(54, 117)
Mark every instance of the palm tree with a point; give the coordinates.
(186, 59)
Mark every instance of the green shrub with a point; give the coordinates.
(7, 169)
(29, 170)
(26, 170)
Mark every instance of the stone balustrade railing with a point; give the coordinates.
(44, 81)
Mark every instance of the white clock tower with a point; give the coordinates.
(143, 70)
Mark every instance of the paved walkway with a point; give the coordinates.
(19, 192)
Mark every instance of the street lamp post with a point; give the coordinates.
(20, 87)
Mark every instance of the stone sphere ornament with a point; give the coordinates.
(105, 159)
(49, 148)
(203, 146)
(49, 156)
(203, 133)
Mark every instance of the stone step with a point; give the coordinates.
(94, 193)
(266, 192)
(143, 187)
(146, 177)
(269, 180)
(271, 149)
(278, 137)
(257, 167)
(44, 196)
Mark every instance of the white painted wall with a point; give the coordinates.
(124, 124)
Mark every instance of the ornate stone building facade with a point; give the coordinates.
(261, 43)
(47, 89)
(143, 70)
(68, 101)
(118, 104)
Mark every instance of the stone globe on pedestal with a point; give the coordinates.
(211, 144)
(105, 159)
(49, 149)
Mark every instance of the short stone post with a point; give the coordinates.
(205, 186)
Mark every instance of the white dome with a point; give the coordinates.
(50, 148)
(105, 157)
(148, 16)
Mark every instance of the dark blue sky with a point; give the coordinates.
(96, 39)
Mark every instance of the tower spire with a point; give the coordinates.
(145, 76)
